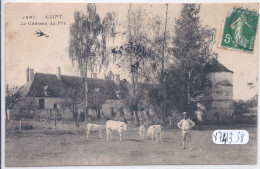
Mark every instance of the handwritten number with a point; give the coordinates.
(224, 138)
(215, 136)
(220, 137)
(238, 136)
(230, 138)
(242, 136)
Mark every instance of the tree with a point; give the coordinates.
(26, 107)
(73, 100)
(95, 100)
(136, 54)
(15, 100)
(192, 51)
(11, 96)
(153, 99)
(162, 68)
(88, 38)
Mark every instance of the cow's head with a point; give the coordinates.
(124, 126)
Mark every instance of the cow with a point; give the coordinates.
(142, 132)
(95, 127)
(155, 131)
(118, 126)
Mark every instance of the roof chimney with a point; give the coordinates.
(31, 74)
(110, 75)
(58, 73)
(117, 79)
(28, 74)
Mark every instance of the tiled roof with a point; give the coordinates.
(58, 88)
(216, 66)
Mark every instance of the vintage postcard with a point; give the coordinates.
(111, 84)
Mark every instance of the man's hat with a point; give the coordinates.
(185, 113)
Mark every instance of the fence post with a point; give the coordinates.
(8, 114)
(20, 124)
(55, 121)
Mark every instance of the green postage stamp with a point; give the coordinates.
(240, 30)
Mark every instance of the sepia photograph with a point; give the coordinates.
(123, 84)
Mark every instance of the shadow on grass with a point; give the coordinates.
(64, 143)
(57, 132)
(169, 141)
(135, 140)
(166, 138)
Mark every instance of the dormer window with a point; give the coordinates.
(118, 94)
(47, 91)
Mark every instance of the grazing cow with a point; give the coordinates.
(142, 132)
(150, 131)
(155, 131)
(116, 126)
(95, 127)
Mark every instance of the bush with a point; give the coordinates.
(241, 107)
(246, 119)
(82, 117)
(25, 115)
(27, 127)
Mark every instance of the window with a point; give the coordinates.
(121, 109)
(55, 106)
(47, 91)
(41, 103)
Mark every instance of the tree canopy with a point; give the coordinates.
(88, 38)
(192, 51)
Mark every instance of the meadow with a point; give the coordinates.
(51, 147)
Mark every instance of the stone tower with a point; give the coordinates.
(219, 95)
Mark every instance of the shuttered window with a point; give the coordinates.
(55, 106)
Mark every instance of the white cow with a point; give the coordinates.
(150, 132)
(95, 127)
(116, 126)
(155, 131)
(142, 132)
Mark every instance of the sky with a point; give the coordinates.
(24, 49)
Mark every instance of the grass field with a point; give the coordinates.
(50, 147)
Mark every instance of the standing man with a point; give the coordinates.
(186, 124)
